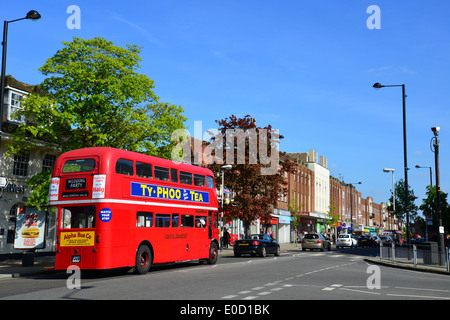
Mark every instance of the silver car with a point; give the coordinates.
(313, 241)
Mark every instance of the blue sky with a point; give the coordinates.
(305, 67)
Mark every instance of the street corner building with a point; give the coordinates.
(17, 169)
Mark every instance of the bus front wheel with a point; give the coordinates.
(143, 259)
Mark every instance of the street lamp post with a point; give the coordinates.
(405, 157)
(31, 15)
(438, 193)
(431, 173)
(393, 186)
(223, 168)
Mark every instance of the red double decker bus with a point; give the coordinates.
(123, 209)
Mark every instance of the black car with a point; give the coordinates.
(366, 241)
(261, 244)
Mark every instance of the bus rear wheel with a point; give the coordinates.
(213, 254)
(143, 260)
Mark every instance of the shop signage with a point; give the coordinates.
(14, 188)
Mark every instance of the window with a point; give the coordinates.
(124, 167)
(78, 217)
(21, 164)
(144, 170)
(144, 219)
(14, 107)
(162, 173)
(174, 175)
(199, 180)
(79, 165)
(162, 220)
(48, 162)
(187, 221)
(185, 177)
(210, 182)
(200, 221)
(175, 220)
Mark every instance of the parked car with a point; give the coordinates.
(376, 241)
(365, 241)
(261, 244)
(346, 240)
(313, 241)
(386, 240)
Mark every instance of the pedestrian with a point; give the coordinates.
(226, 238)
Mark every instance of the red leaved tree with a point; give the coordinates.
(257, 175)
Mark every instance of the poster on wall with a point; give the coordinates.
(30, 228)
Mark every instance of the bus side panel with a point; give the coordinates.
(115, 250)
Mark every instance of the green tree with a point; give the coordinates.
(93, 96)
(429, 206)
(294, 208)
(400, 207)
(333, 216)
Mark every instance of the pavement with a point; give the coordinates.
(409, 266)
(13, 268)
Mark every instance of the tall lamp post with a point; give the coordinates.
(393, 191)
(378, 86)
(393, 186)
(431, 173)
(31, 15)
(438, 192)
(223, 168)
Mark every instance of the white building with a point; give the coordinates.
(17, 169)
(321, 189)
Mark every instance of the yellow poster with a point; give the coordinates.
(77, 239)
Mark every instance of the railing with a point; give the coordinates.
(424, 254)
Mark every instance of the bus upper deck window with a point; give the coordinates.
(78, 165)
(124, 167)
(185, 177)
(162, 173)
(144, 170)
(210, 182)
(199, 180)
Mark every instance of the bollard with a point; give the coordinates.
(393, 252)
(415, 255)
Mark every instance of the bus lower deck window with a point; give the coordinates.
(78, 217)
(162, 220)
(200, 221)
(175, 220)
(144, 219)
(187, 221)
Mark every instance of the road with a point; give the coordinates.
(339, 274)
